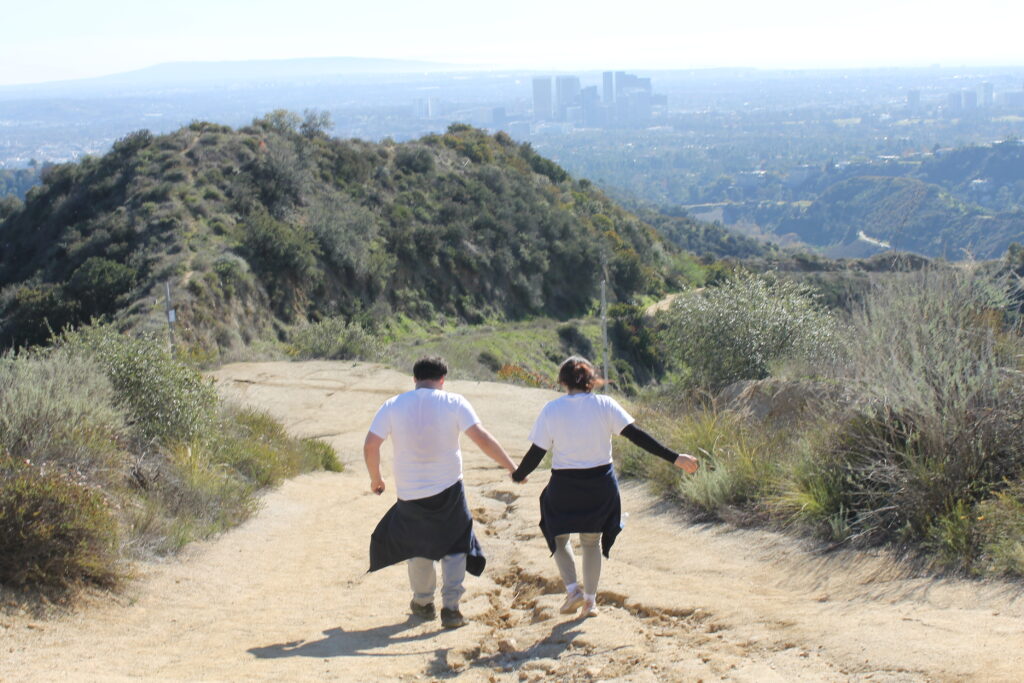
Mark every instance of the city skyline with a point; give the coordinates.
(57, 40)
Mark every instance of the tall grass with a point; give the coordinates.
(924, 451)
(58, 410)
(111, 448)
(740, 461)
(937, 419)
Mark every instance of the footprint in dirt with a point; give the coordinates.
(506, 497)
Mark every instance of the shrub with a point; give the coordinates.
(284, 254)
(936, 424)
(165, 399)
(334, 339)
(53, 532)
(736, 331)
(99, 283)
(57, 409)
(346, 233)
(414, 159)
(1000, 527)
(33, 312)
(489, 360)
(738, 461)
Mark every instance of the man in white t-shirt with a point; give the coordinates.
(431, 519)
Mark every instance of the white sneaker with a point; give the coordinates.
(572, 602)
(589, 608)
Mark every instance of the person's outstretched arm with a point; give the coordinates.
(685, 462)
(371, 456)
(529, 463)
(490, 446)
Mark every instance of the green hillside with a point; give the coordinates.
(276, 224)
(907, 213)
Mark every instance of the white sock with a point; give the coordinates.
(572, 588)
(590, 597)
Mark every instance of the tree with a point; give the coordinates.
(315, 123)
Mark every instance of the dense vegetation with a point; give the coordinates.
(111, 449)
(825, 186)
(276, 224)
(906, 213)
(15, 184)
(897, 424)
(901, 378)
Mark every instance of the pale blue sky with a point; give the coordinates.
(43, 40)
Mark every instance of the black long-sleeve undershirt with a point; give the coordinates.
(529, 463)
(631, 432)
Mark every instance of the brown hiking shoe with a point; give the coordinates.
(423, 611)
(452, 618)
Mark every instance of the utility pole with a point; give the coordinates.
(604, 328)
(171, 316)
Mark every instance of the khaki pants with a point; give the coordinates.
(423, 579)
(591, 547)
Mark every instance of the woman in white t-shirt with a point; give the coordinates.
(583, 494)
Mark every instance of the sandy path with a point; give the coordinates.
(285, 596)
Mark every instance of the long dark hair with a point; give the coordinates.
(576, 372)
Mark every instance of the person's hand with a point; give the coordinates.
(377, 486)
(521, 481)
(687, 463)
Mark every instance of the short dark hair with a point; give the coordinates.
(578, 373)
(430, 367)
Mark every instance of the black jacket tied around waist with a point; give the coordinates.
(582, 501)
(430, 527)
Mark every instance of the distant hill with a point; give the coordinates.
(951, 204)
(996, 166)
(248, 72)
(276, 223)
(905, 213)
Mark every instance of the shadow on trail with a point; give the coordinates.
(448, 663)
(341, 643)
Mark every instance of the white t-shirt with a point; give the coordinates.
(578, 429)
(425, 425)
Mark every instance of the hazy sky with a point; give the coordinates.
(44, 40)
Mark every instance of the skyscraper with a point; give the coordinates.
(542, 98)
(567, 94)
(608, 91)
(987, 94)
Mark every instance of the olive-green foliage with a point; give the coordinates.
(737, 330)
(34, 311)
(529, 349)
(99, 285)
(999, 526)
(54, 533)
(256, 446)
(463, 226)
(923, 453)
(334, 339)
(634, 348)
(57, 409)
(82, 481)
(284, 254)
(165, 399)
(15, 183)
(739, 461)
(937, 426)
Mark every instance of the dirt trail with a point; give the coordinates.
(286, 597)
